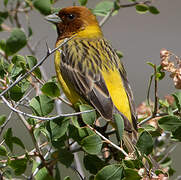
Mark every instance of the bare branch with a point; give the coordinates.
(155, 93)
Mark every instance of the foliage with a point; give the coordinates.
(55, 141)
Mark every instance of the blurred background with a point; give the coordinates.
(140, 37)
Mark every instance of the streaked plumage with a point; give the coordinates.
(89, 69)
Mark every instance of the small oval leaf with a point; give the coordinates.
(110, 172)
(92, 144)
(145, 143)
(90, 117)
(119, 125)
(141, 8)
(169, 123)
(50, 89)
(15, 42)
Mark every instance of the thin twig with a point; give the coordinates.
(9, 117)
(155, 93)
(43, 118)
(166, 154)
(105, 19)
(134, 4)
(108, 141)
(109, 14)
(157, 115)
(148, 91)
(82, 178)
(49, 52)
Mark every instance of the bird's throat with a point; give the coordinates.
(92, 31)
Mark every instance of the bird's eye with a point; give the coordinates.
(70, 16)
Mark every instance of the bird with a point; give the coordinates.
(89, 70)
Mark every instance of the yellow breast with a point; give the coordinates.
(67, 88)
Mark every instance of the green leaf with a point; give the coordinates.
(84, 132)
(177, 96)
(160, 74)
(51, 89)
(19, 60)
(8, 138)
(131, 174)
(65, 157)
(83, 2)
(15, 42)
(3, 151)
(30, 32)
(145, 143)
(16, 93)
(2, 119)
(42, 105)
(32, 61)
(153, 10)
(17, 141)
(75, 121)
(59, 127)
(3, 44)
(67, 178)
(42, 173)
(176, 134)
(110, 172)
(129, 163)
(19, 166)
(25, 84)
(169, 123)
(149, 127)
(151, 64)
(142, 8)
(92, 144)
(5, 2)
(103, 8)
(119, 125)
(93, 163)
(15, 71)
(90, 117)
(3, 16)
(120, 54)
(59, 143)
(43, 6)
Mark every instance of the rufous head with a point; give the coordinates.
(74, 20)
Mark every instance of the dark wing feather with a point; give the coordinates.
(90, 87)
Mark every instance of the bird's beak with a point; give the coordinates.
(53, 18)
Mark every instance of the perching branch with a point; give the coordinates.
(40, 117)
(108, 141)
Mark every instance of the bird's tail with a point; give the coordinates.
(130, 139)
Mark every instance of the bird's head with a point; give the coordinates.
(77, 20)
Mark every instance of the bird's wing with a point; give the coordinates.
(130, 96)
(91, 88)
(82, 66)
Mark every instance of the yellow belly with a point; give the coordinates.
(117, 92)
(68, 90)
